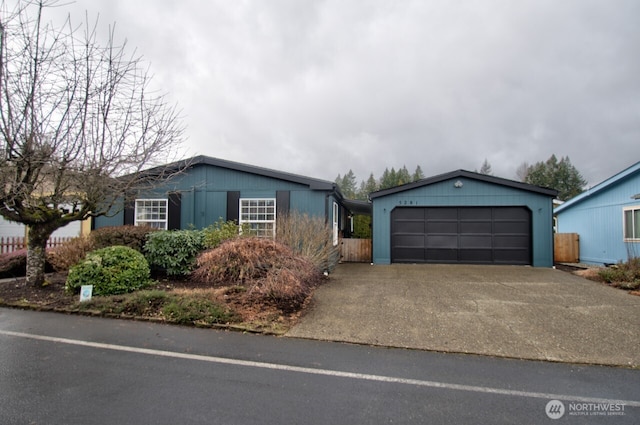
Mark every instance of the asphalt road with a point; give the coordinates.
(60, 369)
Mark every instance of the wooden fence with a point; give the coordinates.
(15, 243)
(566, 248)
(355, 250)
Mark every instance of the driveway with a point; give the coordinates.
(510, 311)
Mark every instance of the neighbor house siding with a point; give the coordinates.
(472, 193)
(598, 220)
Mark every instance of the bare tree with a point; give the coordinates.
(78, 122)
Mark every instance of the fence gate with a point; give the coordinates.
(355, 250)
(566, 248)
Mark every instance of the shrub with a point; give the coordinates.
(131, 236)
(625, 275)
(309, 236)
(112, 270)
(186, 311)
(221, 231)
(269, 270)
(174, 251)
(70, 253)
(13, 264)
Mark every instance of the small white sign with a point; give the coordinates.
(85, 292)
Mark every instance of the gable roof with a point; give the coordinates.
(314, 184)
(466, 174)
(627, 172)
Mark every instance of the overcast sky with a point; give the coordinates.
(320, 87)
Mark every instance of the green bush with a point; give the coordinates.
(188, 311)
(174, 251)
(112, 270)
(131, 236)
(221, 231)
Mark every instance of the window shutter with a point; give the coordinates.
(129, 213)
(174, 208)
(282, 202)
(233, 206)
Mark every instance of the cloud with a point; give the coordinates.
(321, 87)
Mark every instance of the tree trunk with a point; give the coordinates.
(36, 256)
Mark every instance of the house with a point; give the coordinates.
(606, 218)
(205, 189)
(463, 217)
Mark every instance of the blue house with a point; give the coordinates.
(203, 190)
(463, 217)
(606, 218)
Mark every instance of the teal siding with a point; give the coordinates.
(204, 195)
(472, 193)
(598, 220)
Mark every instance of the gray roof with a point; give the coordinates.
(314, 184)
(465, 174)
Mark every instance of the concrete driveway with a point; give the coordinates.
(509, 311)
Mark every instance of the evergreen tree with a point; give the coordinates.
(348, 185)
(417, 175)
(558, 175)
(486, 168)
(402, 176)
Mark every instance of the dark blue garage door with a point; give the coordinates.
(475, 235)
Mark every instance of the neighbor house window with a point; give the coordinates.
(260, 215)
(632, 224)
(336, 212)
(151, 212)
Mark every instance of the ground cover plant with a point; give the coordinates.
(624, 275)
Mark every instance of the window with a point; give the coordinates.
(151, 212)
(631, 224)
(260, 215)
(335, 223)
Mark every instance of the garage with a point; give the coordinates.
(463, 217)
(473, 235)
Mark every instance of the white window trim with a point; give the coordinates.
(142, 222)
(336, 212)
(634, 223)
(241, 221)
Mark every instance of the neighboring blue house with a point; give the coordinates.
(606, 218)
(464, 217)
(206, 189)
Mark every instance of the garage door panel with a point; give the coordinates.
(511, 227)
(441, 227)
(409, 227)
(475, 227)
(441, 255)
(409, 255)
(487, 235)
(480, 256)
(475, 213)
(442, 241)
(484, 242)
(513, 242)
(411, 241)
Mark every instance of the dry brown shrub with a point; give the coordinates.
(309, 236)
(269, 271)
(64, 256)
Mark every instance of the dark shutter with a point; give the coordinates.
(173, 210)
(130, 213)
(282, 202)
(233, 206)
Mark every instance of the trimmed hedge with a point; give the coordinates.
(112, 270)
